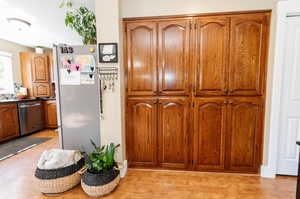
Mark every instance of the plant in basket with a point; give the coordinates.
(102, 174)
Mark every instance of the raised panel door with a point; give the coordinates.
(211, 55)
(9, 122)
(244, 136)
(173, 132)
(141, 50)
(39, 68)
(209, 133)
(50, 114)
(248, 53)
(174, 57)
(141, 135)
(41, 90)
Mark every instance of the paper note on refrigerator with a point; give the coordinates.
(87, 62)
(87, 78)
(69, 77)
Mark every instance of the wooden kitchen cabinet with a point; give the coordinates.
(173, 135)
(173, 57)
(141, 58)
(209, 133)
(248, 54)
(40, 68)
(141, 136)
(50, 111)
(200, 82)
(244, 134)
(41, 90)
(211, 55)
(35, 72)
(9, 122)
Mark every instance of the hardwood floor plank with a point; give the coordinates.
(17, 182)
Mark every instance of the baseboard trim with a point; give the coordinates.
(123, 171)
(267, 172)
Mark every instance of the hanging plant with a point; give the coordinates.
(82, 20)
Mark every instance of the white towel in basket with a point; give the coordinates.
(58, 158)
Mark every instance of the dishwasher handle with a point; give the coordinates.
(29, 105)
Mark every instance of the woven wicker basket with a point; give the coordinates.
(98, 188)
(58, 180)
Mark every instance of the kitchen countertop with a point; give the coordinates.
(24, 100)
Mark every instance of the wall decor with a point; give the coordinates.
(108, 52)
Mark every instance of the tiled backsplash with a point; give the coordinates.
(11, 96)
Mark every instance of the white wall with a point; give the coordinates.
(14, 49)
(138, 8)
(109, 30)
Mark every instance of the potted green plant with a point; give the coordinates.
(82, 20)
(102, 174)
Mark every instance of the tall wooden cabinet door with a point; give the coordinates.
(173, 57)
(211, 55)
(141, 50)
(173, 132)
(141, 135)
(39, 68)
(209, 133)
(9, 123)
(248, 54)
(244, 138)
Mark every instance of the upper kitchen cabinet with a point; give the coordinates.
(35, 71)
(211, 55)
(141, 46)
(248, 54)
(40, 68)
(174, 57)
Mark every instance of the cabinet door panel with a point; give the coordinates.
(244, 137)
(173, 132)
(209, 133)
(212, 50)
(41, 90)
(50, 114)
(141, 58)
(9, 123)
(249, 39)
(142, 132)
(39, 68)
(173, 57)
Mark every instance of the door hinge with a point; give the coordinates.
(191, 26)
(193, 104)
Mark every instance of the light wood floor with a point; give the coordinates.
(16, 182)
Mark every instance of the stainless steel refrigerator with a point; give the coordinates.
(77, 96)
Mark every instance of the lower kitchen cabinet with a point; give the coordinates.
(209, 133)
(141, 138)
(50, 114)
(9, 122)
(244, 135)
(215, 134)
(173, 123)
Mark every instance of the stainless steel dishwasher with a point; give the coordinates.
(31, 116)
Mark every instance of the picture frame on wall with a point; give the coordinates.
(108, 52)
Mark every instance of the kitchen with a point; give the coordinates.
(30, 107)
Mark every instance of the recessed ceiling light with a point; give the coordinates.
(19, 24)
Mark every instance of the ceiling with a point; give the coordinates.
(46, 18)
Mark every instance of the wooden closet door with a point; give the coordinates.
(173, 132)
(211, 55)
(244, 138)
(209, 133)
(248, 54)
(39, 68)
(173, 57)
(141, 52)
(141, 132)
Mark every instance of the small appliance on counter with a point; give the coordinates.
(31, 116)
